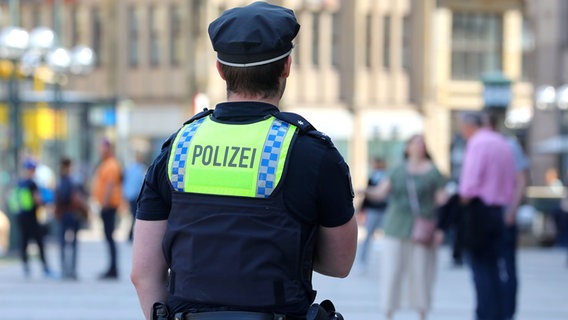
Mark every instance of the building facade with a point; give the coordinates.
(547, 135)
(368, 73)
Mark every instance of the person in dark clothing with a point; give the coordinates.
(489, 176)
(70, 217)
(372, 209)
(28, 199)
(107, 191)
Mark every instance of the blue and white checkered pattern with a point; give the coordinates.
(269, 158)
(180, 157)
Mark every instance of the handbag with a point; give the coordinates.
(422, 229)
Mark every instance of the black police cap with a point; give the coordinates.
(257, 34)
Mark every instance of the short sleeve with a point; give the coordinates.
(317, 189)
(335, 190)
(154, 200)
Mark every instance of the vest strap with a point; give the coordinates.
(180, 157)
(269, 159)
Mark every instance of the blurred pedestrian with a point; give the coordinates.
(508, 259)
(244, 202)
(560, 215)
(133, 180)
(71, 211)
(373, 210)
(4, 233)
(25, 201)
(415, 188)
(487, 188)
(107, 191)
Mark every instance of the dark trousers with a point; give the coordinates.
(457, 247)
(68, 244)
(109, 221)
(484, 264)
(508, 271)
(31, 230)
(561, 223)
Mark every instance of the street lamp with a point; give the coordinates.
(78, 61)
(562, 97)
(14, 42)
(28, 51)
(545, 97)
(24, 50)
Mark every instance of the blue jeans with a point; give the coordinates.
(487, 275)
(68, 240)
(373, 221)
(508, 271)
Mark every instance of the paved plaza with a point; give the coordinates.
(543, 295)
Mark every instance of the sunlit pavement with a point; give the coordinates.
(543, 291)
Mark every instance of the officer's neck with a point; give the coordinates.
(238, 97)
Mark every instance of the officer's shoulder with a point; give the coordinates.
(305, 127)
(199, 115)
(168, 142)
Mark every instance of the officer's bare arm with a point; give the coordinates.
(149, 268)
(335, 250)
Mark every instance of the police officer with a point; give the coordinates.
(244, 202)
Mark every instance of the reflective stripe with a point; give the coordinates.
(269, 159)
(181, 150)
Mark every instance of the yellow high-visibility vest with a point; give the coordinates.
(247, 160)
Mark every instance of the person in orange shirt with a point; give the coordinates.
(107, 191)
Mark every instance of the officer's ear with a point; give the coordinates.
(287, 67)
(220, 70)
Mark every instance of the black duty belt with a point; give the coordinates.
(228, 315)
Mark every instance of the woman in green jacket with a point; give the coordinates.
(415, 189)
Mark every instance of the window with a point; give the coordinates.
(315, 38)
(386, 41)
(36, 16)
(476, 44)
(133, 38)
(527, 48)
(74, 25)
(406, 41)
(369, 41)
(175, 36)
(335, 38)
(154, 46)
(97, 34)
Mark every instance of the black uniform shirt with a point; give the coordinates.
(317, 186)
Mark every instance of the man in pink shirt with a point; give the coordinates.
(487, 187)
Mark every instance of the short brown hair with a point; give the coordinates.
(258, 80)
